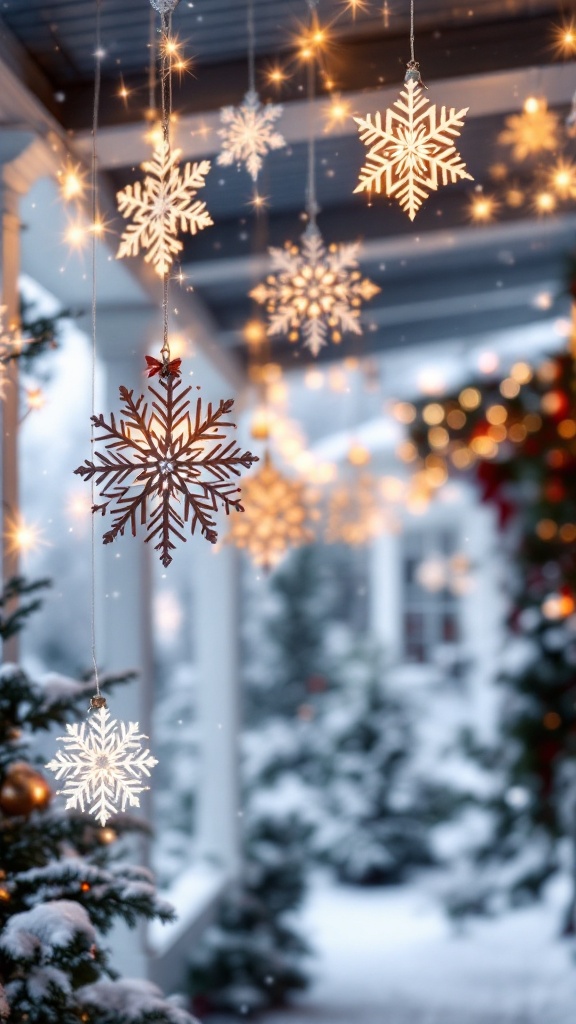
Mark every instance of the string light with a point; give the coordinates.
(35, 398)
(562, 178)
(564, 39)
(482, 208)
(545, 202)
(21, 537)
(72, 180)
(336, 112)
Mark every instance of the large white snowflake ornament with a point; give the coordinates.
(161, 207)
(314, 292)
(248, 133)
(102, 764)
(413, 152)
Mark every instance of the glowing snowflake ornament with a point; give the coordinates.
(413, 151)
(277, 514)
(102, 764)
(162, 467)
(161, 207)
(314, 293)
(248, 133)
(535, 130)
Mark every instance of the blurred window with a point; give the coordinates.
(431, 575)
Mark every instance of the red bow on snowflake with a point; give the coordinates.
(155, 366)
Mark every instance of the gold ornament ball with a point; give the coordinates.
(23, 790)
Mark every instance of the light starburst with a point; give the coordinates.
(413, 151)
(277, 516)
(102, 763)
(248, 133)
(314, 293)
(161, 207)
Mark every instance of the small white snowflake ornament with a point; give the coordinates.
(102, 764)
(161, 207)
(413, 151)
(314, 292)
(248, 133)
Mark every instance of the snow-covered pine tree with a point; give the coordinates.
(376, 808)
(63, 881)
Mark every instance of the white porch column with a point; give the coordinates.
(385, 595)
(216, 644)
(13, 144)
(123, 590)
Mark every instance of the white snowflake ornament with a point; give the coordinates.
(102, 765)
(314, 293)
(413, 151)
(161, 207)
(248, 133)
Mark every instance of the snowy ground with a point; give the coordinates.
(390, 957)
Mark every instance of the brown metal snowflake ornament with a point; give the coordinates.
(165, 464)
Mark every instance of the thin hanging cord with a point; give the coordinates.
(152, 66)
(251, 47)
(94, 176)
(412, 57)
(165, 23)
(311, 204)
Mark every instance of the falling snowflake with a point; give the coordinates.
(248, 133)
(162, 206)
(160, 457)
(414, 152)
(277, 516)
(102, 765)
(315, 292)
(532, 131)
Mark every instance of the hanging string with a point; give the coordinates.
(412, 57)
(152, 67)
(251, 47)
(311, 204)
(95, 221)
(166, 100)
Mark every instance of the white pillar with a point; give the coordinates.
(216, 645)
(385, 594)
(123, 570)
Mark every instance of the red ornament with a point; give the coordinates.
(171, 369)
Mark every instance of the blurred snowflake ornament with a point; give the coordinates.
(355, 514)
(102, 763)
(277, 516)
(163, 468)
(413, 152)
(535, 130)
(248, 133)
(161, 206)
(314, 293)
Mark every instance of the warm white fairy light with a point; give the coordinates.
(102, 765)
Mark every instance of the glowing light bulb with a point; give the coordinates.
(72, 182)
(545, 202)
(531, 105)
(21, 537)
(483, 208)
(35, 398)
(76, 236)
